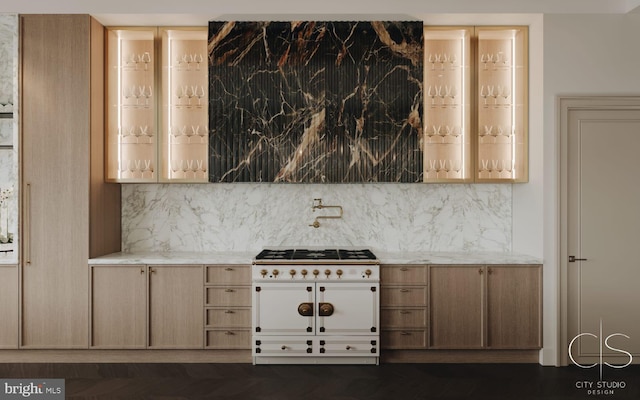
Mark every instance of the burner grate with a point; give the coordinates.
(316, 254)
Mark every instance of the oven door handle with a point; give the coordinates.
(305, 309)
(325, 309)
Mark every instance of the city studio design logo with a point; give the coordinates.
(601, 387)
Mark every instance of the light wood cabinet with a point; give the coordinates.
(139, 306)
(456, 312)
(8, 306)
(476, 104)
(157, 90)
(474, 307)
(175, 306)
(502, 112)
(514, 309)
(68, 213)
(118, 306)
(448, 104)
(227, 307)
(132, 131)
(403, 306)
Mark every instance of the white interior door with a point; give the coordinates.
(603, 228)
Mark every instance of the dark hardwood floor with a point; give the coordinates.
(387, 381)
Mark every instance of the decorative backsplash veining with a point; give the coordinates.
(385, 217)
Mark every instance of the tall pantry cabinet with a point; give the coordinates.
(68, 213)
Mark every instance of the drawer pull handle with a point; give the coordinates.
(283, 347)
(229, 290)
(405, 312)
(229, 333)
(404, 290)
(404, 269)
(349, 347)
(228, 269)
(228, 311)
(405, 334)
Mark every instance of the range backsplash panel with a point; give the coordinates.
(315, 101)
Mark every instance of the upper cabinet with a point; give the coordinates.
(185, 91)
(447, 107)
(131, 111)
(502, 93)
(475, 102)
(157, 129)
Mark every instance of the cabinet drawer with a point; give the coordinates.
(403, 317)
(228, 275)
(228, 317)
(228, 339)
(415, 296)
(403, 274)
(223, 296)
(404, 339)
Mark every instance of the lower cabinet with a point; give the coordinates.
(118, 307)
(403, 306)
(175, 306)
(8, 306)
(421, 307)
(139, 306)
(227, 307)
(485, 307)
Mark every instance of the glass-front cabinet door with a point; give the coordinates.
(157, 97)
(447, 111)
(502, 112)
(184, 117)
(475, 104)
(131, 111)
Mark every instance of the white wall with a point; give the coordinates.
(583, 55)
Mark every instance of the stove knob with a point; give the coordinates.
(316, 272)
(327, 272)
(275, 272)
(263, 272)
(367, 272)
(304, 272)
(339, 272)
(292, 272)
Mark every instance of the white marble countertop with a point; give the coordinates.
(247, 257)
(494, 258)
(175, 258)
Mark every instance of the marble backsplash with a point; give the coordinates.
(9, 135)
(385, 217)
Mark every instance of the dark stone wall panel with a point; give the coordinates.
(315, 101)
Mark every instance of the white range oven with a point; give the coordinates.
(315, 307)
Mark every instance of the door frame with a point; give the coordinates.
(564, 106)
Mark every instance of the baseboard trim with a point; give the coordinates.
(461, 356)
(125, 356)
(244, 356)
